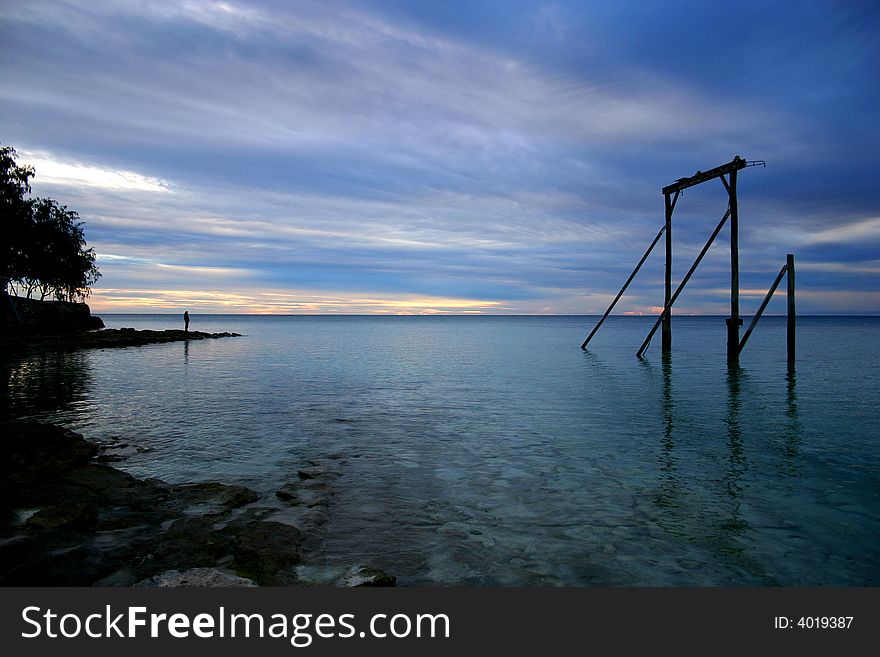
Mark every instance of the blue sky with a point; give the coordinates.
(436, 157)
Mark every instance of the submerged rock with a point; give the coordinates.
(340, 576)
(287, 493)
(213, 493)
(195, 577)
(366, 577)
(266, 551)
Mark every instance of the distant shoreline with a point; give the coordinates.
(104, 338)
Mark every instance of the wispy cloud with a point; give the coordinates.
(857, 231)
(262, 301)
(76, 174)
(868, 267)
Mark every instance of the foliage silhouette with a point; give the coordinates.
(44, 247)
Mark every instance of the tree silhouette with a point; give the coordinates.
(15, 215)
(44, 247)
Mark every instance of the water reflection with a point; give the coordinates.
(46, 383)
(696, 500)
(600, 370)
(792, 438)
(669, 490)
(736, 460)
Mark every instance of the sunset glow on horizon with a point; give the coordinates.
(278, 302)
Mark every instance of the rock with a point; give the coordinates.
(305, 474)
(31, 446)
(110, 484)
(360, 576)
(189, 542)
(266, 551)
(195, 577)
(35, 317)
(287, 493)
(66, 520)
(340, 576)
(121, 337)
(66, 564)
(65, 514)
(227, 496)
(110, 458)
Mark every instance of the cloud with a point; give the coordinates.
(869, 267)
(286, 301)
(340, 77)
(74, 174)
(855, 232)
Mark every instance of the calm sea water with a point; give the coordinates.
(493, 451)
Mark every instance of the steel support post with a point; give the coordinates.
(734, 321)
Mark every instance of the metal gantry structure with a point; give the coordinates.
(727, 173)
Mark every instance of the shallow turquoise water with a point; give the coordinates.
(493, 451)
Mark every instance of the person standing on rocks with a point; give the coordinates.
(186, 321)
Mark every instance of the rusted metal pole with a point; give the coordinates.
(669, 204)
(734, 321)
(763, 305)
(623, 289)
(790, 339)
(681, 285)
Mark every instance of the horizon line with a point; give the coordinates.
(434, 315)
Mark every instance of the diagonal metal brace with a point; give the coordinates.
(684, 282)
(763, 305)
(623, 289)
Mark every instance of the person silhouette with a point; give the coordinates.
(186, 321)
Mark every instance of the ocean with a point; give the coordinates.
(493, 451)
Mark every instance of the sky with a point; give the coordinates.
(416, 156)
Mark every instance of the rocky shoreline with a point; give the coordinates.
(68, 520)
(104, 338)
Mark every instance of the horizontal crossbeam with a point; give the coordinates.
(735, 164)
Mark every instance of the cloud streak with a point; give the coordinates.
(280, 302)
(54, 173)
